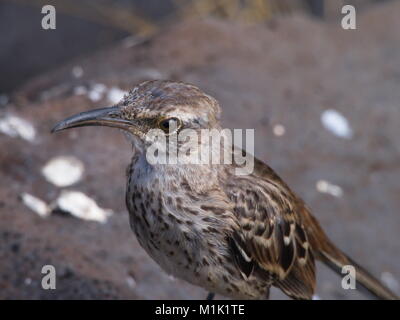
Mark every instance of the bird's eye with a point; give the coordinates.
(169, 125)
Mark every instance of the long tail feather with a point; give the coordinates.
(334, 258)
(338, 259)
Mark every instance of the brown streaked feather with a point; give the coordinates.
(272, 231)
(300, 282)
(241, 256)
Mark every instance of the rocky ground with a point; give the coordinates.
(283, 74)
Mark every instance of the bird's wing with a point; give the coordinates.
(271, 235)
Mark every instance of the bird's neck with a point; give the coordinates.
(198, 177)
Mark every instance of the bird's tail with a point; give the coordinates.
(334, 258)
(338, 259)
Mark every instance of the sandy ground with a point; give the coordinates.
(286, 72)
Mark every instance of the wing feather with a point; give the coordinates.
(270, 230)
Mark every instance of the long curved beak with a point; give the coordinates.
(110, 117)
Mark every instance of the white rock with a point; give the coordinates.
(336, 123)
(77, 71)
(36, 205)
(14, 126)
(63, 171)
(115, 95)
(81, 206)
(131, 282)
(80, 90)
(324, 186)
(171, 278)
(97, 92)
(130, 41)
(279, 130)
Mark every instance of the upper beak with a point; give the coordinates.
(110, 117)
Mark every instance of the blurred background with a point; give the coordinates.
(324, 103)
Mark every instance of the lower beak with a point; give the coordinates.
(110, 117)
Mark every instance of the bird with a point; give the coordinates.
(236, 235)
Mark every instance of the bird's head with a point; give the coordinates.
(164, 105)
